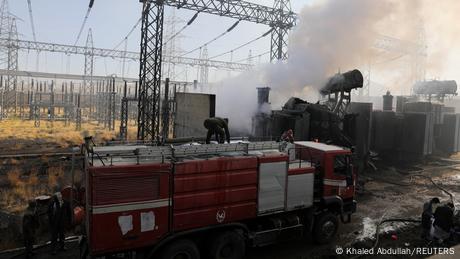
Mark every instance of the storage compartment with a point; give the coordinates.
(272, 185)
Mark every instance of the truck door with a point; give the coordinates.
(343, 169)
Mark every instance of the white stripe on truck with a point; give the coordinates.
(333, 182)
(121, 207)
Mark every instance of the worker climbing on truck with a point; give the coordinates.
(218, 127)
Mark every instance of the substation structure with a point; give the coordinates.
(279, 18)
(46, 97)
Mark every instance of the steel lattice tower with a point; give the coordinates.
(279, 37)
(5, 27)
(150, 71)
(11, 80)
(8, 57)
(280, 18)
(89, 63)
(204, 69)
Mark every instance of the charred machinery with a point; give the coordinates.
(326, 122)
(338, 90)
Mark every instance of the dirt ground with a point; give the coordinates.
(389, 193)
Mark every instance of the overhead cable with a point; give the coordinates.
(182, 29)
(260, 55)
(91, 3)
(243, 45)
(31, 19)
(214, 39)
(129, 34)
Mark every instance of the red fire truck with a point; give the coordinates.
(214, 200)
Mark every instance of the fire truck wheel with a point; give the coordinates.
(325, 228)
(227, 245)
(180, 249)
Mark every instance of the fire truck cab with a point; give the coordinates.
(214, 200)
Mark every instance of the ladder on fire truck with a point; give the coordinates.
(108, 155)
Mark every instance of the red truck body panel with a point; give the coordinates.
(123, 195)
(214, 191)
(134, 206)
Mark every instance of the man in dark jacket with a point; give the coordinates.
(30, 224)
(443, 222)
(427, 216)
(59, 215)
(218, 127)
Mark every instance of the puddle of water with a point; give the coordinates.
(370, 226)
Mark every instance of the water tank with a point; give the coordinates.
(388, 102)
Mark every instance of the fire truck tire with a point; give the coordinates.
(227, 245)
(325, 228)
(184, 249)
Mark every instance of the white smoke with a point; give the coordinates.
(337, 35)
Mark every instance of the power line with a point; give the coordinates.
(216, 38)
(129, 34)
(243, 45)
(182, 29)
(258, 56)
(91, 2)
(31, 19)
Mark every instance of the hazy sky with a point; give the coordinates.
(110, 20)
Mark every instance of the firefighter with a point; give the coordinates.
(288, 136)
(59, 215)
(427, 216)
(218, 127)
(30, 224)
(443, 222)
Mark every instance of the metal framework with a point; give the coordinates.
(89, 63)
(279, 37)
(204, 70)
(280, 18)
(150, 71)
(110, 53)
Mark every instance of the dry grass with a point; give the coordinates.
(18, 135)
(21, 190)
(21, 187)
(22, 179)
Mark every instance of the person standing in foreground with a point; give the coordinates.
(30, 224)
(59, 215)
(427, 216)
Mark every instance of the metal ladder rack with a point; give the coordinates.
(141, 153)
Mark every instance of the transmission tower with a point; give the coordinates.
(172, 46)
(5, 27)
(281, 19)
(150, 71)
(9, 97)
(89, 63)
(250, 59)
(279, 39)
(204, 69)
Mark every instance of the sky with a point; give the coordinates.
(59, 21)
(332, 21)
